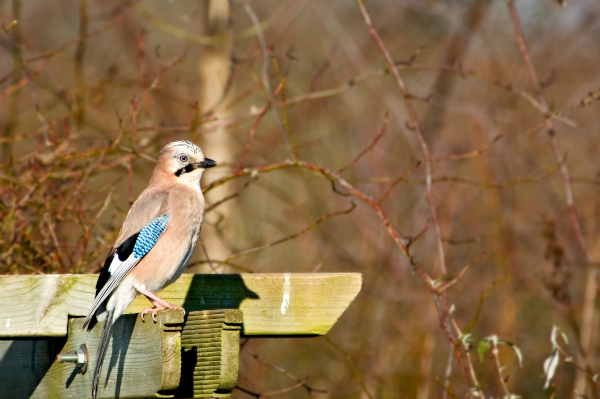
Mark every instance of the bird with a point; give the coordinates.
(155, 243)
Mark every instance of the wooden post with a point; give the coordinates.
(210, 345)
(191, 356)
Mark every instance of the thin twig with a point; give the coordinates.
(495, 352)
(321, 71)
(207, 257)
(464, 269)
(398, 180)
(302, 382)
(295, 235)
(448, 373)
(412, 239)
(229, 197)
(251, 136)
(286, 122)
(470, 154)
(270, 393)
(363, 152)
(263, 45)
(352, 366)
(569, 359)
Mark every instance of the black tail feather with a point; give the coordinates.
(104, 338)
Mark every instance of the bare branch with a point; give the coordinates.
(301, 382)
(290, 237)
(415, 124)
(352, 366)
(470, 154)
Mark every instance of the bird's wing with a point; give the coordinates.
(150, 205)
(122, 260)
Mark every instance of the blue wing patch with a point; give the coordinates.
(149, 236)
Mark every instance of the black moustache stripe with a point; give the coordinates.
(186, 169)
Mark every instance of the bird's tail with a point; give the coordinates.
(104, 338)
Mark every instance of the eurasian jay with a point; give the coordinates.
(156, 241)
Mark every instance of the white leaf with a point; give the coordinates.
(550, 366)
(467, 338)
(553, 336)
(518, 353)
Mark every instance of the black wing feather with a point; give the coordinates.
(123, 252)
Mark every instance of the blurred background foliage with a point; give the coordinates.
(91, 90)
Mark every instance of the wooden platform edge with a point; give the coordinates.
(272, 303)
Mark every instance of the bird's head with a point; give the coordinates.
(183, 161)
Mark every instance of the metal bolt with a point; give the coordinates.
(80, 357)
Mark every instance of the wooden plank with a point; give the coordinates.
(272, 304)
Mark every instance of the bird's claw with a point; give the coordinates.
(154, 311)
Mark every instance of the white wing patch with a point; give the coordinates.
(114, 265)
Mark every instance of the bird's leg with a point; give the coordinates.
(159, 304)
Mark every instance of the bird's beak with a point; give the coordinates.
(207, 163)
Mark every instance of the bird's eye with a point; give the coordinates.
(183, 158)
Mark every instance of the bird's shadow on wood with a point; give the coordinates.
(119, 350)
(217, 291)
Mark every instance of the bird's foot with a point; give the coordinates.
(159, 304)
(154, 310)
(159, 307)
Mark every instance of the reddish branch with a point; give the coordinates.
(520, 38)
(415, 126)
(251, 136)
(255, 125)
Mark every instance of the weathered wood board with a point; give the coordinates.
(272, 304)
